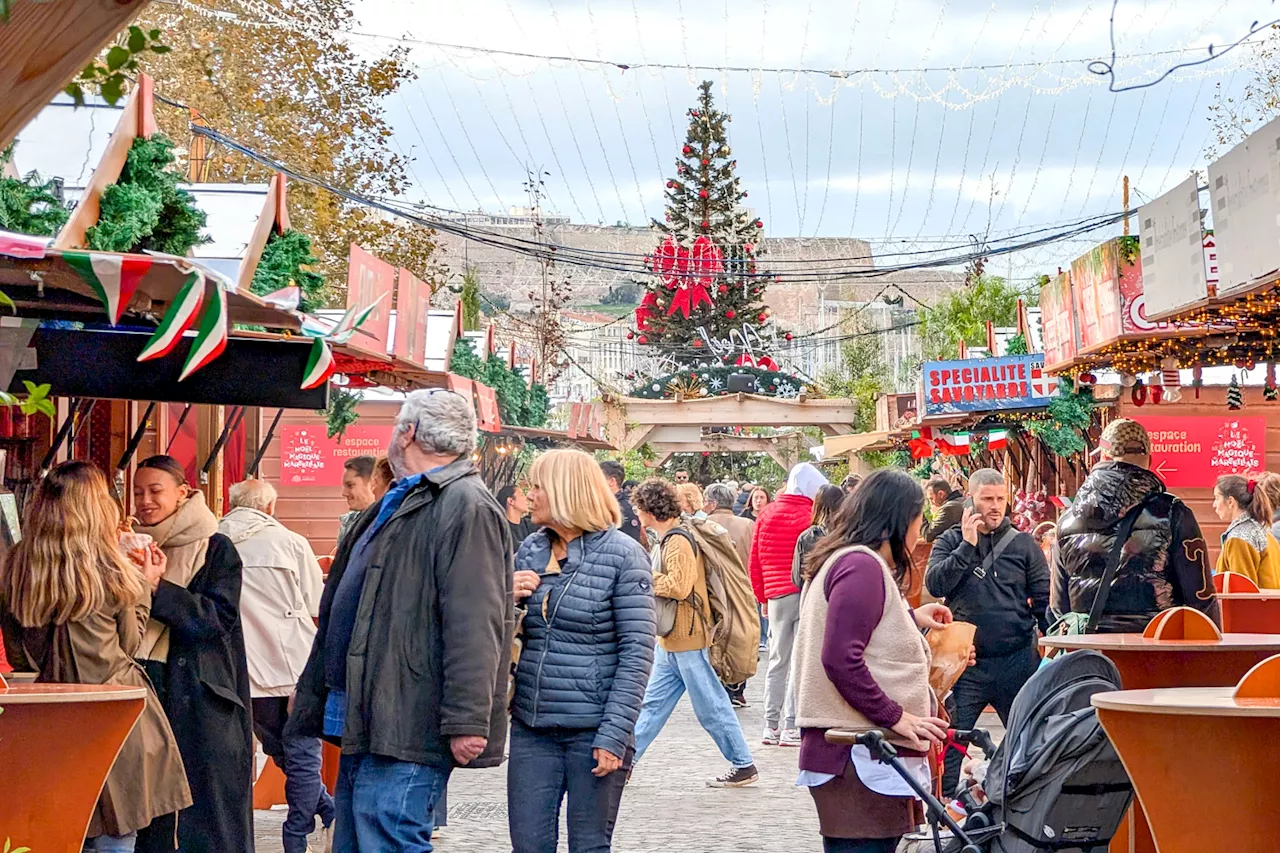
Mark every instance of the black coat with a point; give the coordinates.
(430, 656)
(204, 687)
(1008, 604)
(1164, 563)
(630, 524)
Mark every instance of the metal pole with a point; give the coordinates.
(227, 428)
(117, 482)
(257, 457)
(182, 419)
(59, 438)
(1126, 205)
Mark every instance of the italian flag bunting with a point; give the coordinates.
(352, 320)
(182, 313)
(211, 337)
(953, 444)
(113, 277)
(320, 365)
(997, 439)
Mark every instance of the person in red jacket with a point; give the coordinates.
(772, 546)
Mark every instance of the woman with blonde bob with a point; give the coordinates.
(588, 637)
(75, 608)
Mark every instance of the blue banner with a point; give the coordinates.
(987, 384)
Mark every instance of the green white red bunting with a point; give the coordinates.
(183, 312)
(320, 365)
(113, 277)
(211, 337)
(352, 320)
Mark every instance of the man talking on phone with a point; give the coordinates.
(993, 575)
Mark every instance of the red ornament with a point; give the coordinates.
(697, 344)
(744, 193)
(762, 317)
(706, 162)
(631, 336)
(671, 185)
(731, 313)
(706, 453)
(759, 223)
(687, 150)
(706, 224)
(702, 193)
(693, 113)
(643, 339)
(787, 336)
(724, 288)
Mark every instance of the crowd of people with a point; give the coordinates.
(557, 623)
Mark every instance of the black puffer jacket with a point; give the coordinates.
(1164, 564)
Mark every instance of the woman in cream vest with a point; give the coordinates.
(861, 662)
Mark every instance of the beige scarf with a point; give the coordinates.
(184, 538)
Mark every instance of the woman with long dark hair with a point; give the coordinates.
(756, 503)
(861, 662)
(826, 503)
(1248, 547)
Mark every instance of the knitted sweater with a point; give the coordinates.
(896, 656)
(680, 574)
(1249, 549)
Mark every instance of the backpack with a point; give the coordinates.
(735, 622)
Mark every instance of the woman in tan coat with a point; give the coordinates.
(75, 608)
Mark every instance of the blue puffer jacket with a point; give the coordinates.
(588, 637)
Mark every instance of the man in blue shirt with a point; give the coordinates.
(409, 669)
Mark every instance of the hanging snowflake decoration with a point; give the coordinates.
(786, 389)
(716, 383)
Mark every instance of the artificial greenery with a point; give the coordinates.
(145, 210)
(519, 404)
(538, 407)
(923, 471)
(1017, 345)
(342, 411)
(714, 382)
(283, 263)
(1070, 414)
(470, 299)
(465, 362)
(510, 389)
(29, 205)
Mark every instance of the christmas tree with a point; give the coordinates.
(704, 300)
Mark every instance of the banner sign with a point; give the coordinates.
(987, 384)
(1193, 452)
(1095, 284)
(412, 305)
(1173, 250)
(1244, 188)
(370, 282)
(308, 457)
(1058, 321)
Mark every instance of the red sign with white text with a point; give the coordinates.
(1193, 452)
(308, 457)
(411, 318)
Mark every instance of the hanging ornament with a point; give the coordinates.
(671, 185)
(787, 336)
(1139, 392)
(1235, 396)
(762, 317)
(1157, 394)
(644, 340)
(706, 162)
(693, 113)
(724, 288)
(706, 224)
(1269, 392)
(687, 150)
(631, 336)
(1128, 380)
(702, 193)
(759, 223)
(1171, 379)
(697, 343)
(730, 314)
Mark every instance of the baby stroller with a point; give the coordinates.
(1054, 784)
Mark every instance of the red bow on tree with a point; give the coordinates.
(646, 311)
(688, 273)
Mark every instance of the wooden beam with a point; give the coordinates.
(742, 410)
(44, 45)
(729, 444)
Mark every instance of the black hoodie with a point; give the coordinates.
(1164, 563)
(1008, 603)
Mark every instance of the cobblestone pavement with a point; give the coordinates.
(667, 807)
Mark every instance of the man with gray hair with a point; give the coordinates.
(279, 598)
(995, 576)
(409, 669)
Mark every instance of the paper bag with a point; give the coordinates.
(950, 647)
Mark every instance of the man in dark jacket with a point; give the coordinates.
(617, 475)
(994, 576)
(410, 666)
(1165, 561)
(948, 508)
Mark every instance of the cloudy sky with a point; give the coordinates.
(907, 158)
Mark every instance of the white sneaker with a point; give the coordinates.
(790, 737)
(770, 737)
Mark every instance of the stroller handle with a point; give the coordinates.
(875, 742)
(977, 737)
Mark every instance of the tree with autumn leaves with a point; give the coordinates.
(705, 273)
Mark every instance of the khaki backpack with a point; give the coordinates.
(735, 622)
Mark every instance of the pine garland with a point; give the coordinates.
(1070, 413)
(464, 361)
(1017, 345)
(145, 210)
(343, 410)
(539, 405)
(282, 263)
(29, 205)
(715, 381)
(519, 404)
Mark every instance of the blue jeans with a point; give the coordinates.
(299, 758)
(385, 805)
(674, 673)
(112, 843)
(547, 764)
